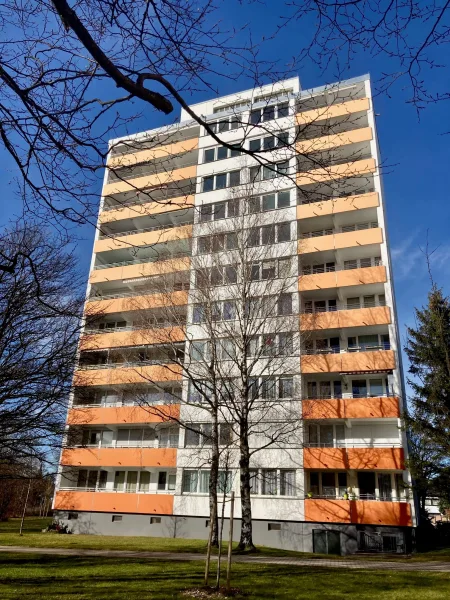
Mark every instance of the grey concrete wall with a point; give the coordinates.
(291, 535)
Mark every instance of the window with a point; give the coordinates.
(285, 304)
(269, 482)
(287, 483)
(268, 113)
(162, 480)
(116, 518)
(198, 314)
(219, 153)
(155, 520)
(72, 516)
(225, 124)
(220, 181)
(225, 434)
(274, 526)
(284, 232)
(217, 242)
(190, 481)
(279, 140)
(144, 481)
(199, 350)
(197, 482)
(286, 387)
(362, 263)
(168, 437)
(329, 484)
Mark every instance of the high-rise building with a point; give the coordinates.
(315, 197)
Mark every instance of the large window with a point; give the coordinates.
(219, 275)
(221, 181)
(225, 124)
(273, 482)
(270, 142)
(219, 210)
(272, 388)
(136, 437)
(257, 204)
(328, 484)
(269, 113)
(219, 153)
(269, 234)
(271, 171)
(197, 482)
(200, 434)
(326, 436)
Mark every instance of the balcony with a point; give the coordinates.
(126, 373)
(131, 269)
(166, 151)
(106, 501)
(330, 360)
(340, 240)
(130, 336)
(350, 168)
(327, 142)
(147, 181)
(132, 301)
(119, 415)
(340, 277)
(326, 205)
(119, 457)
(143, 205)
(144, 237)
(364, 512)
(358, 458)
(327, 111)
(351, 408)
(354, 317)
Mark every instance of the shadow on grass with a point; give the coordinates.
(104, 578)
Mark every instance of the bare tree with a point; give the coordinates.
(39, 326)
(409, 36)
(242, 343)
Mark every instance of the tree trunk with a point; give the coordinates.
(213, 482)
(246, 540)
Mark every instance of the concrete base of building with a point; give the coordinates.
(333, 538)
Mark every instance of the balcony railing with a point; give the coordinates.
(308, 166)
(116, 444)
(344, 229)
(116, 234)
(315, 197)
(145, 199)
(339, 350)
(112, 490)
(133, 172)
(315, 270)
(148, 325)
(343, 306)
(345, 444)
(148, 401)
(178, 287)
(140, 261)
(373, 497)
(348, 396)
(112, 365)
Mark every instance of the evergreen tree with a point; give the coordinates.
(428, 350)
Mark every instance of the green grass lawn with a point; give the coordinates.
(33, 536)
(83, 578)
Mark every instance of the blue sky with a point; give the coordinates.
(415, 147)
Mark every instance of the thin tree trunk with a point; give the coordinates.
(213, 482)
(25, 507)
(246, 540)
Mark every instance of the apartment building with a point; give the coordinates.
(172, 195)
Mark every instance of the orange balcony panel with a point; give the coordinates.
(115, 305)
(141, 337)
(352, 408)
(337, 205)
(377, 315)
(335, 110)
(327, 142)
(144, 239)
(119, 457)
(327, 511)
(115, 415)
(366, 512)
(350, 169)
(354, 458)
(157, 179)
(140, 270)
(337, 279)
(147, 208)
(127, 375)
(160, 504)
(381, 513)
(164, 151)
(348, 362)
(338, 241)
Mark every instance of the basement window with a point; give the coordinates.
(116, 518)
(274, 526)
(155, 520)
(72, 516)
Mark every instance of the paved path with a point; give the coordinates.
(267, 560)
